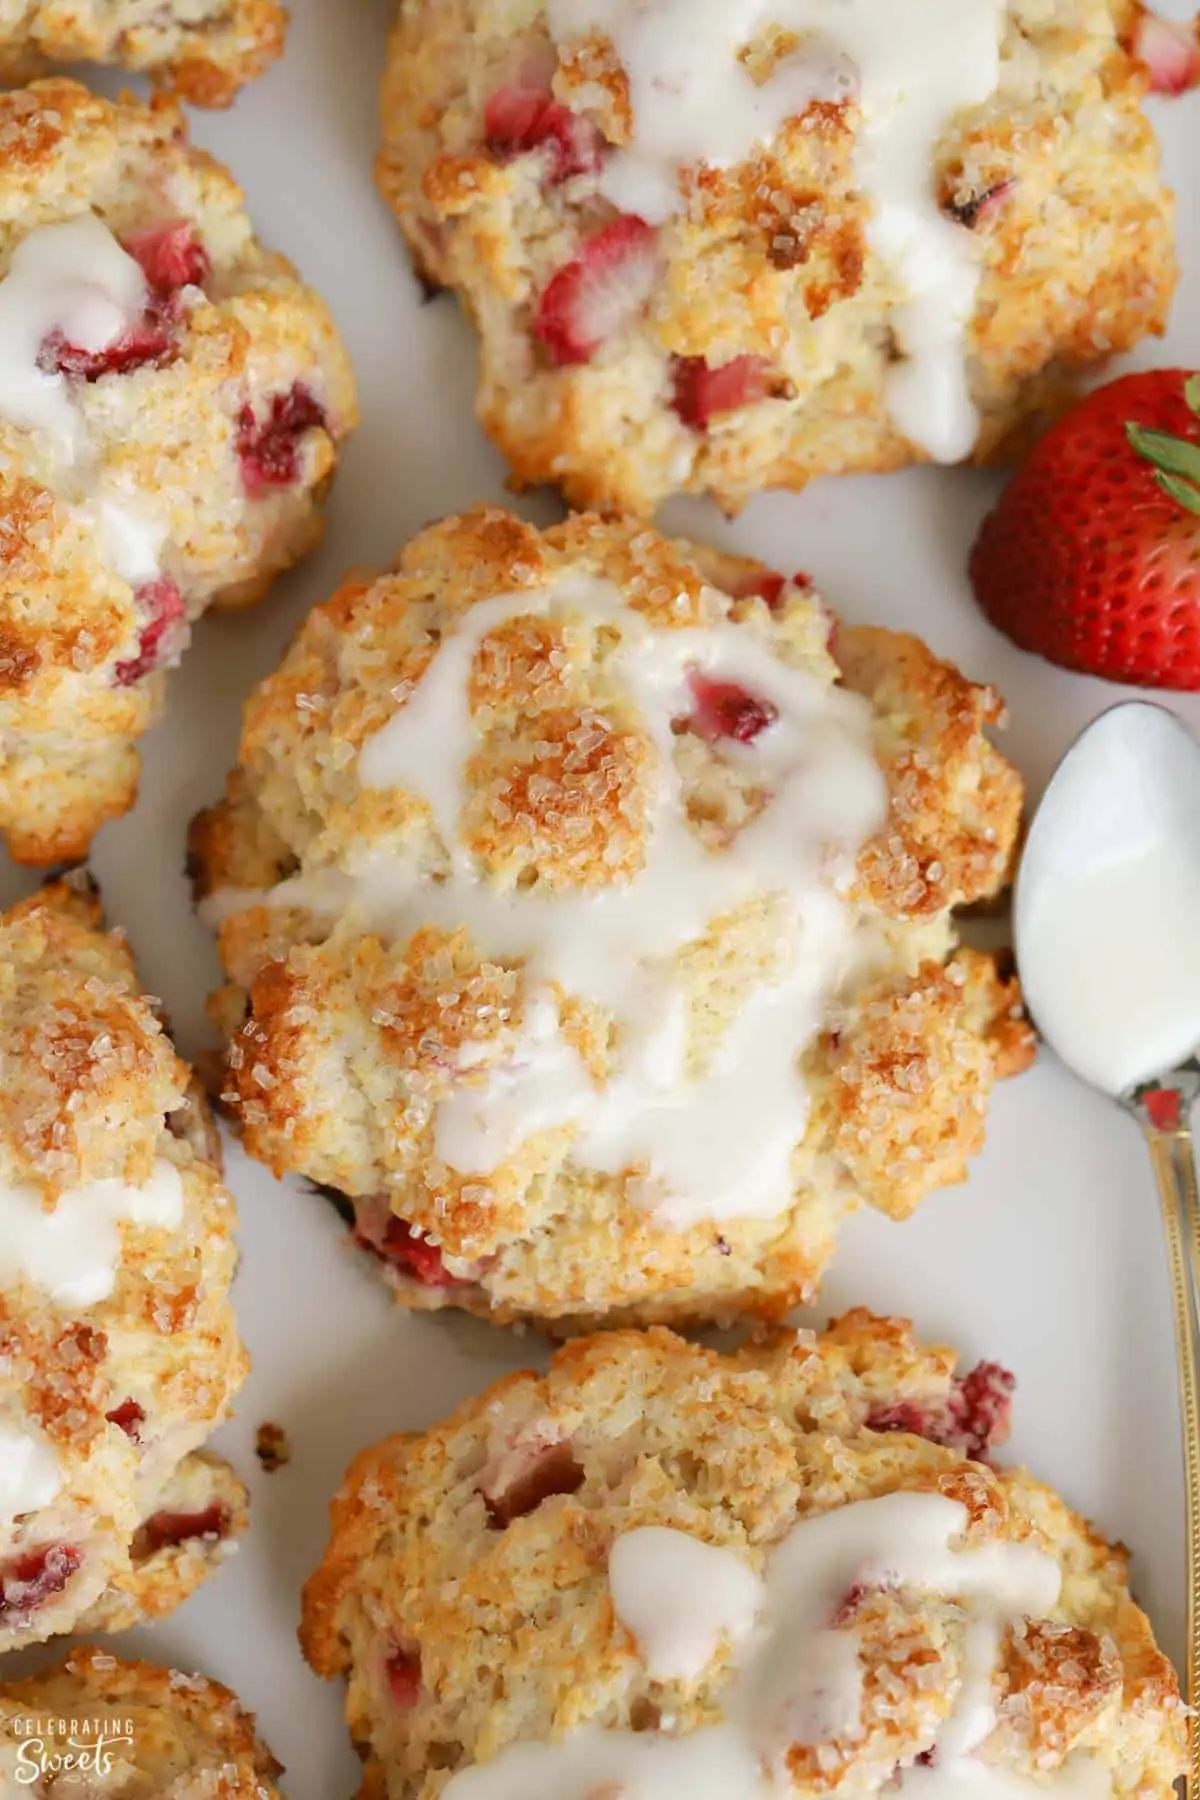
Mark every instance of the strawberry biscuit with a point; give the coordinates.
(714, 248)
(172, 400)
(657, 1571)
(205, 50)
(585, 900)
(118, 1349)
(142, 1733)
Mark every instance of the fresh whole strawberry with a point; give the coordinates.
(1092, 556)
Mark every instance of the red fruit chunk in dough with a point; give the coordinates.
(269, 448)
(30, 1580)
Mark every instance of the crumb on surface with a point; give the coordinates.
(271, 1447)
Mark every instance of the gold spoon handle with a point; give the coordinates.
(1163, 1111)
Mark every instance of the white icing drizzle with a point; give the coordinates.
(75, 278)
(798, 1679)
(680, 1597)
(70, 1252)
(693, 102)
(30, 1476)
(130, 539)
(709, 1146)
(801, 1679)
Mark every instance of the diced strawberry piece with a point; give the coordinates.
(1169, 51)
(768, 585)
(701, 393)
(981, 1409)
(573, 144)
(30, 1580)
(529, 1475)
(521, 119)
(149, 341)
(403, 1673)
(725, 709)
(601, 292)
(269, 449)
(378, 1231)
(163, 605)
(974, 1419)
(129, 1418)
(846, 1608)
(904, 1416)
(171, 257)
(166, 1530)
(416, 1255)
(512, 117)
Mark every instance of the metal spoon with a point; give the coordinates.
(1107, 922)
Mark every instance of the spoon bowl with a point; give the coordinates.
(1107, 927)
(1107, 909)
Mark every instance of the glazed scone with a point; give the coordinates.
(714, 249)
(204, 50)
(119, 1354)
(659, 1571)
(589, 932)
(138, 1732)
(172, 400)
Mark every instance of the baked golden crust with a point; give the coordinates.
(188, 1737)
(239, 351)
(956, 803)
(340, 1037)
(1058, 172)
(118, 1390)
(464, 1591)
(161, 1573)
(203, 50)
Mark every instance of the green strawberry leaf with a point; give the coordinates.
(1173, 455)
(1175, 460)
(1183, 491)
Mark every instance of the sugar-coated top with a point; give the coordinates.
(74, 283)
(656, 1572)
(70, 1251)
(72, 278)
(204, 50)
(714, 1141)
(187, 1738)
(118, 1349)
(171, 399)
(799, 1679)
(910, 68)
(618, 874)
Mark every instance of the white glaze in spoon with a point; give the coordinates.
(1107, 920)
(1108, 901)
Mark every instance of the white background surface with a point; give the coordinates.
(1049, 1260)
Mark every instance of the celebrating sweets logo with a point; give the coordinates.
(68, 1749)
